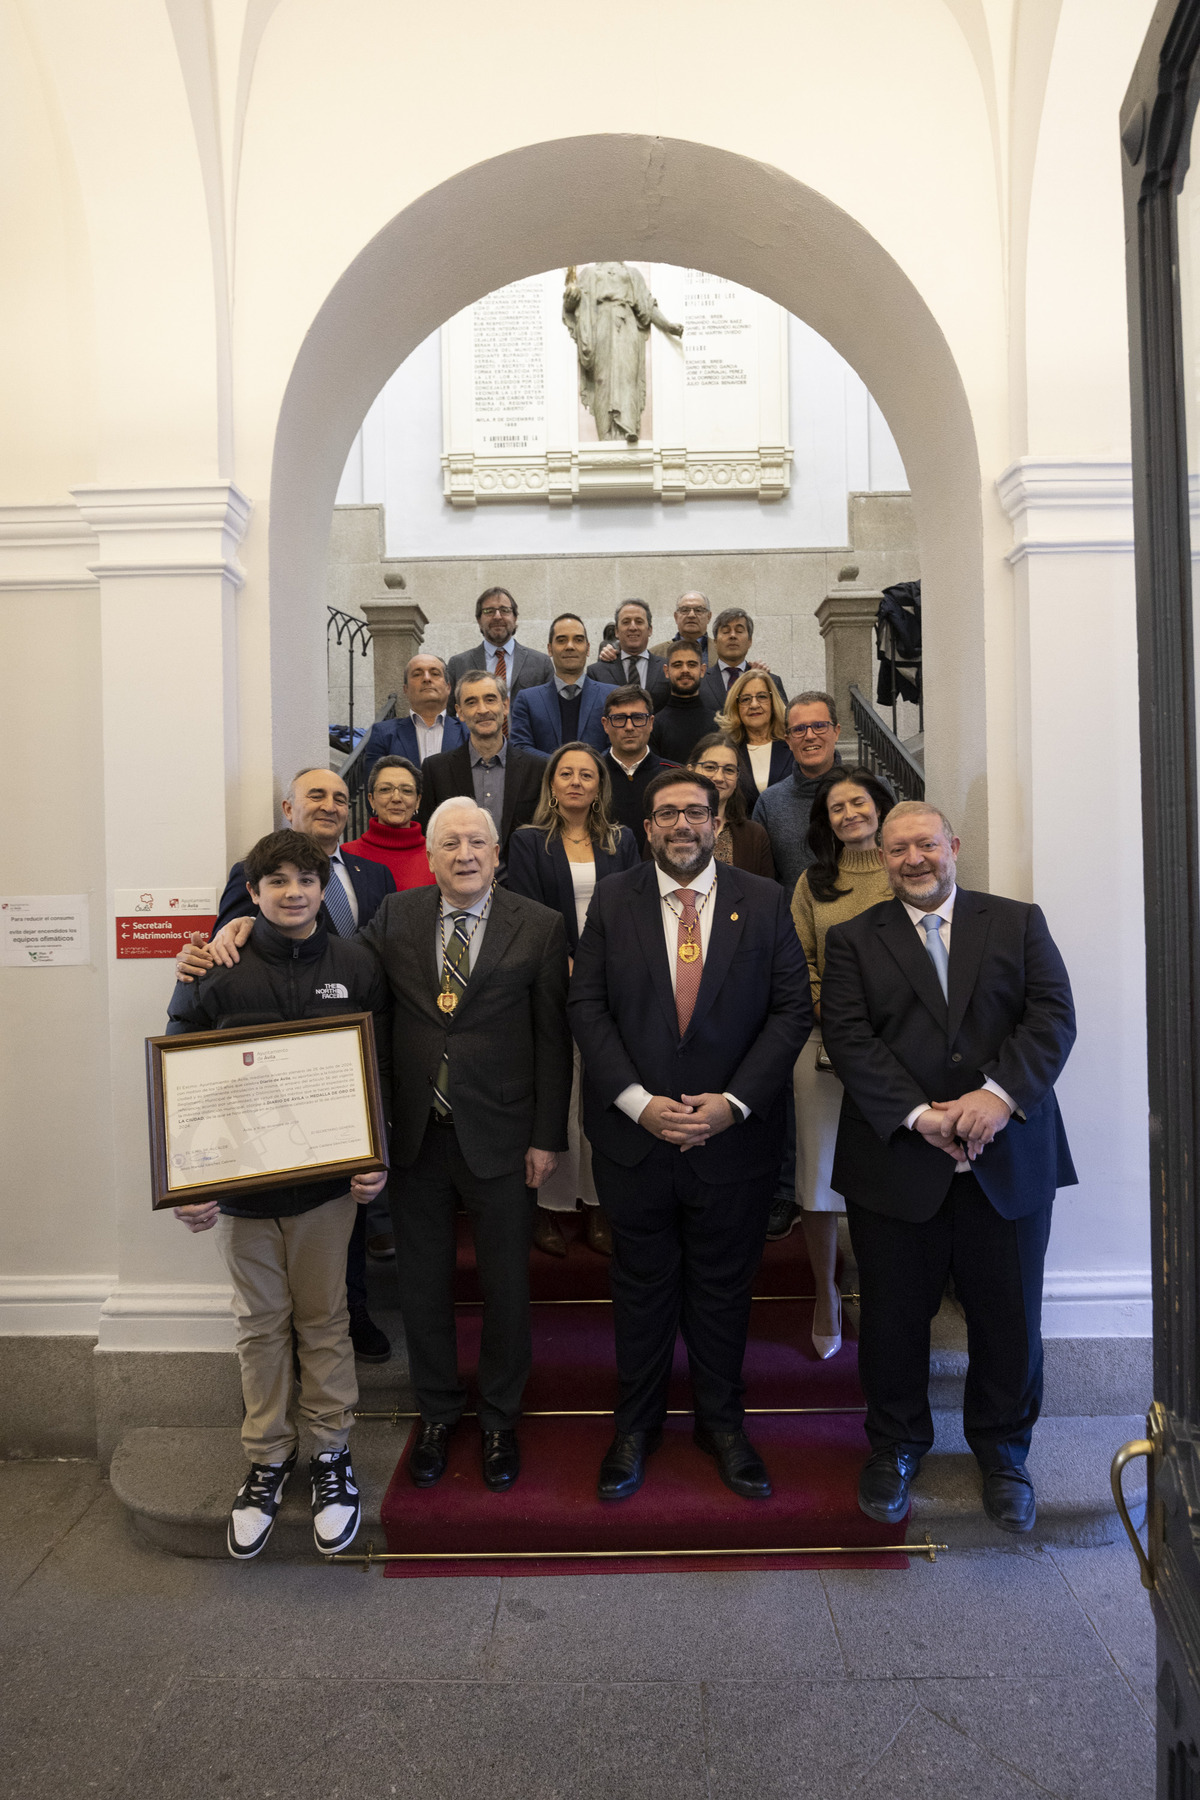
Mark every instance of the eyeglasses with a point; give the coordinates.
(497, 612)
(637, 720)
(803, 730)
(387, 793)
(713, 769)
(667, 815)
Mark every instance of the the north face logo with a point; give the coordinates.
(333, 990)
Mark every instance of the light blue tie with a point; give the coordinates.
(931, 926)
(337, 905)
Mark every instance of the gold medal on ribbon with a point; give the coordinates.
(447, 1001)
(689, 953)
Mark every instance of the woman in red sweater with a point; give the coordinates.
(393, 836)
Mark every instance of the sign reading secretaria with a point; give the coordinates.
(157, 921)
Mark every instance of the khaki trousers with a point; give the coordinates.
(292, 1272)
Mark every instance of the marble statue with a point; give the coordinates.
(608, 310)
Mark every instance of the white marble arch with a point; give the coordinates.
(643, 199)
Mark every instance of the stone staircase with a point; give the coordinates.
(177, 1481)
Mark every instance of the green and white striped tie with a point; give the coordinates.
(456, 968)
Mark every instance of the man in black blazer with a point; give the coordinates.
(948, 1016)
(505, 781)
(630, 661)
(689, 1003)
(632, 765)
(478, 1107)
(499, 653)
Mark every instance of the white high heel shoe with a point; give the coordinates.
(826, 1347)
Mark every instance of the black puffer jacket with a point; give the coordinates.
(277, 979)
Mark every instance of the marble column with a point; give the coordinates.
(846, 617)
(397, 633)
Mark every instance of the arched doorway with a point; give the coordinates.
(579, 199)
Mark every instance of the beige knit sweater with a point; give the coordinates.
(863, 873)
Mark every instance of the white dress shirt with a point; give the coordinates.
(734, 669)
(429, 737)
(634, 1099)
(343, 874)
(945, 914)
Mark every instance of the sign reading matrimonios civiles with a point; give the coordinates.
(616, 381)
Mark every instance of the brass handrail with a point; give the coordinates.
(927, 1549)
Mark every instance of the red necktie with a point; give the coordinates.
(501, 666)
(687, 972)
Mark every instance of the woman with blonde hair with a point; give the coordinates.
(755, 717)
(573, 843)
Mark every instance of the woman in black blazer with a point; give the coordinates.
(755, 719)
(573, 843)
(740, 842)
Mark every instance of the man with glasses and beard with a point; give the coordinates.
(689, 1003)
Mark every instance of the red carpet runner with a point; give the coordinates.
(814, 1456)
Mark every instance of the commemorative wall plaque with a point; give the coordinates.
(263, 1106)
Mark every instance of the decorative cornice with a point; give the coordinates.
(166, 531)
(45, 547)
(1068, 506)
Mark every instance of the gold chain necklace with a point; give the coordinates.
(447, 1000)
(689, 950)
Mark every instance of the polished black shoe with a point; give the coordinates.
(738, 1462)
(884, 1483)
(782, 1222)
(370, 1344)
(1009, 1500)
(624, 1467)
(501, 1459)
(427, 1459)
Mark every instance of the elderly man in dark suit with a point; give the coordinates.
(499, 653)
(689, 1003)
(948, 1016)
(428, 728)
(479, 1100)
(505, 781)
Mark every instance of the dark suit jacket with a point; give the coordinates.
(894, 1042)
(716, 693)
(782, 765)
(449, 774)
(398, 737)
(752, 1017)
(371, 882)
(529, 668)
(510, 1050)
(535, 722)
(656, 683)
(545, 875)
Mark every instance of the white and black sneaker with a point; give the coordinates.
(252, 1517)
(336, 1507)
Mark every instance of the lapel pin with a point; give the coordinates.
(733, 918)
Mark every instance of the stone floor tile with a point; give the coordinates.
(930, 1761)
(978, 1612)
(1083, 1740)
(1108, 1587)
(39, 1503)
(657, 1627)
(799, 1740)
(245, 1740)
(642, 1738)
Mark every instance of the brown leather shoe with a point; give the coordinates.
(547, 1233)
(599, 1232)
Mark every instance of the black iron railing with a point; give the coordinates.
(880, 750)
(355, 633)
(354, 773)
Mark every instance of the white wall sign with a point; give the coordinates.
(43, 931)
(716, 419)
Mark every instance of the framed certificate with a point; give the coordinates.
(263, 1106)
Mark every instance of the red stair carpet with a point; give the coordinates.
(814, 1455)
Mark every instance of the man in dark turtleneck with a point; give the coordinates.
(684, 720)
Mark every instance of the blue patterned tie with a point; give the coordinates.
(337, 905)
(931, 926)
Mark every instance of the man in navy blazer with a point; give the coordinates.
(689, 1003)
(430, 727)
(567, 708)
(948, 1016)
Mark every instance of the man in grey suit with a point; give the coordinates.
(479, 1102)
(500, 654)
